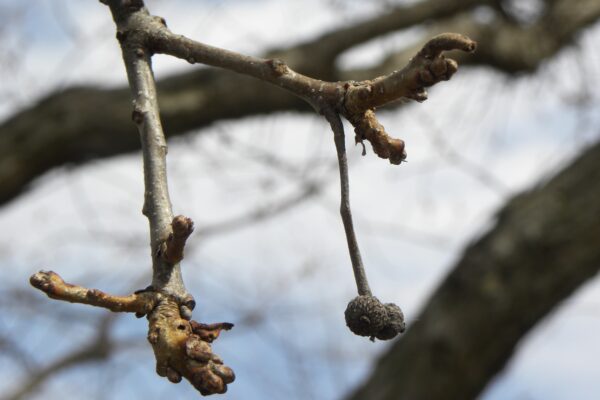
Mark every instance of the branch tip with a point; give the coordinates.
(55, 287)
(447, 42)
(182, 228)
(366, 126)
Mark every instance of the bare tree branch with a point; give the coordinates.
(504, 44)
(356, 101)
(332, 44)
(181, 347)
(99, 348)
(55, 287)
(425, 69)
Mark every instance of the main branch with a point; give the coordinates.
(181, 347)
(157, 204)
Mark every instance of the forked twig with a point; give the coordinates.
(181, 346)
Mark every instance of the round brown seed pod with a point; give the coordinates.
(395, 323)
(366, 316)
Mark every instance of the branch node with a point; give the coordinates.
(189, 301)
(365, 92)
(418, 95)
(137, 115)
(278, 67)
(121, 35)
(186, 312)
(182, 349)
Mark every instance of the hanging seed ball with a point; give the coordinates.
(366, 316)
(395, 323)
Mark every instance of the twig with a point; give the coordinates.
(180, 349)
(173, 247)
(360, 276)
(365, 314)
(355, 101)
(174, 343)
(55, 287)
(181, 346)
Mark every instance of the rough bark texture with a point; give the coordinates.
(84, 123)
(543, 247)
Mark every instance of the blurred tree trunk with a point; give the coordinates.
(546, 243)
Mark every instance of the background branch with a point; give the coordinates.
(100, 347)
(181, 347)
(79, 124)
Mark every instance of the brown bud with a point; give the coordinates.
(173, 375)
